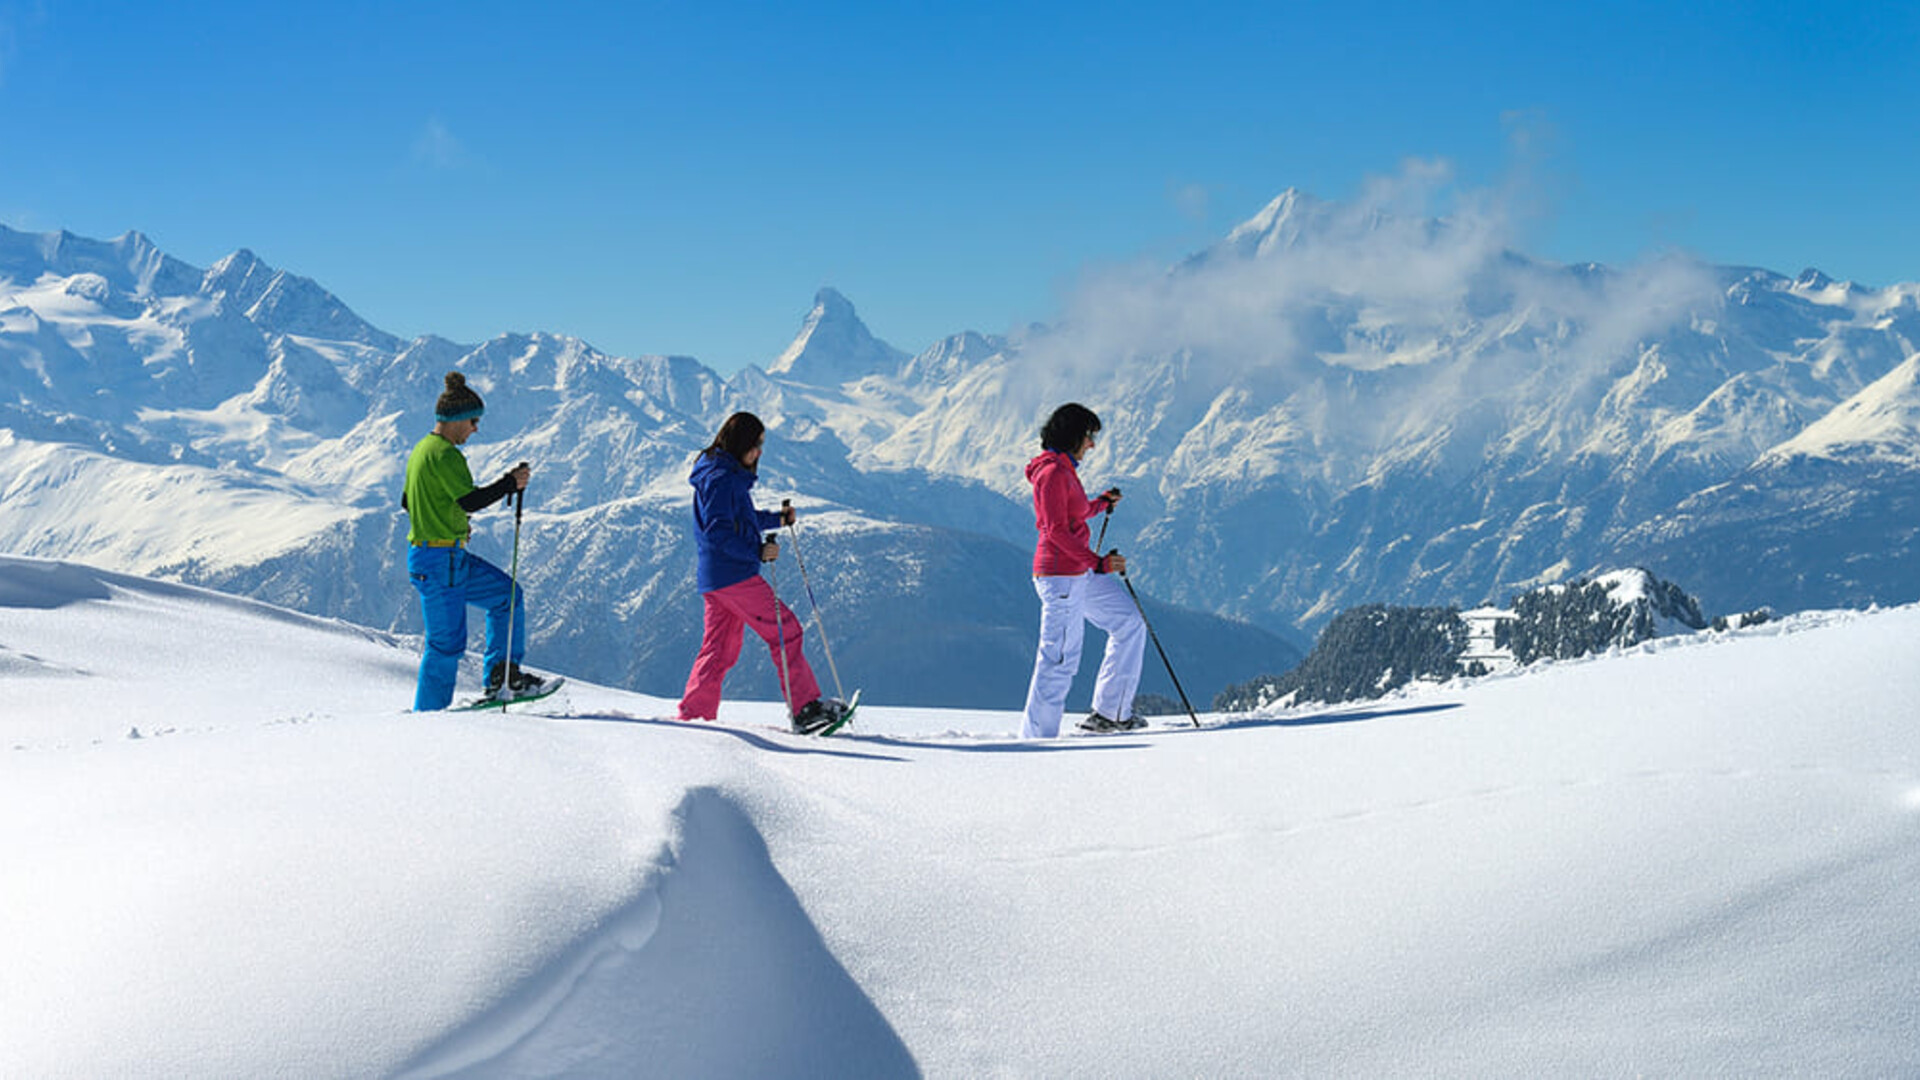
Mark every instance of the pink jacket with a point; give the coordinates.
(1060, 510)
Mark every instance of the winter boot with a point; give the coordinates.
(519, 684)
(818, 715)
(1099, 723)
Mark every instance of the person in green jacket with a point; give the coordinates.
(439, 495)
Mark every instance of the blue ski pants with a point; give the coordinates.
(449, 579)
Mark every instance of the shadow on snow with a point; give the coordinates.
(713, 969)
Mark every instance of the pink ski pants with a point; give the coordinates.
(750, 604)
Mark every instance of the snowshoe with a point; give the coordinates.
(519, 687)
(547, 688)
(1100, 724)
(520, 683)
(824, 716)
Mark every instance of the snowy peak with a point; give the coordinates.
(948, 359)
(834, 346)
(1881, 423)
(130, 262)
(1619, 609)
(1280, 225)
(1812, 279)
(111, 272)
(284, 303)
(241, 278)
(1664, 606)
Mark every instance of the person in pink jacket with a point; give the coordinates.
(1076, 586)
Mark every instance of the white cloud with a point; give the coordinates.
(1390, 248)
(1413, 262)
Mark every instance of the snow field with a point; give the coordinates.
(1687, 859)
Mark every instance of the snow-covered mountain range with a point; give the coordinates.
(1332, 406)
(240, 427)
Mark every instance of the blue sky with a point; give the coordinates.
(680, 178)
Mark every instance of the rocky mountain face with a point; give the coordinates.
(1330, 408)
(1370, 651)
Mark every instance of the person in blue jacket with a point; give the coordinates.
(736, 598)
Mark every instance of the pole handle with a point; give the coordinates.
(518, 496)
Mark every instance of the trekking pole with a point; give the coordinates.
(794, 528)
(519, 500)
(1191, 715)
(780, 625)
(1103, 521)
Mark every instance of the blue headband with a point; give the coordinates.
(464, 414)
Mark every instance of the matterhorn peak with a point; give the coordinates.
(829, 303)
(834, 346)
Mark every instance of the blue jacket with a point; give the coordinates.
(727, 527)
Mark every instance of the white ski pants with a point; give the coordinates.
(1067, 604)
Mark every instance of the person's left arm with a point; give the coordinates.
(482, 497)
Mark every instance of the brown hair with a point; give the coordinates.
(739, 435)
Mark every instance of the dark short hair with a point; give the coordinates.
(740, 434)
(1068, 427)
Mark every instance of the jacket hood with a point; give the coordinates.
(1049, 459)
(712, 466)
